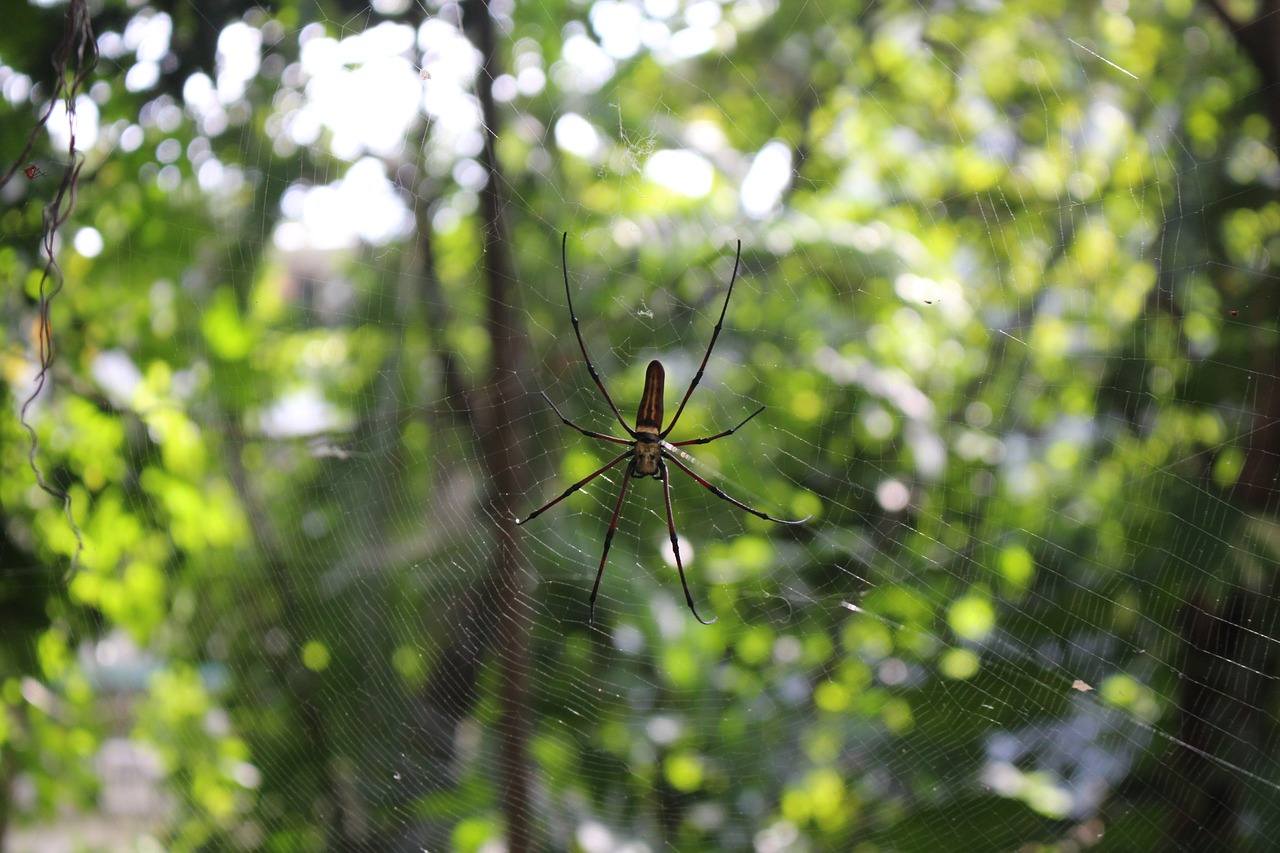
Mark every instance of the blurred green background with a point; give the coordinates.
(1007, 291)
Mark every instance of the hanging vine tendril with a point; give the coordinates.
(73, 62)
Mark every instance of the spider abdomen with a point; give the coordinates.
(649, 416)
(648, 459)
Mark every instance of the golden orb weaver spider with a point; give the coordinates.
(649, 451)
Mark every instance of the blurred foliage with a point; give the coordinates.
(1004, 315)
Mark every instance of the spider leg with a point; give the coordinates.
(715, 334)
(608, 537)
(712, 438)
(588, 433)
(675, 544)
(578, 485)
(573, 317)
(715, 490)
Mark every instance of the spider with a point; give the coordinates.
(33, 171)
(648, 449)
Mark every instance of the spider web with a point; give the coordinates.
(1002, 294)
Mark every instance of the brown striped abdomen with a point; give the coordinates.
(648, 459)
(649, 417)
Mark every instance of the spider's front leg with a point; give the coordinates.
(578, 485)
(675, 542)
(608, 537)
